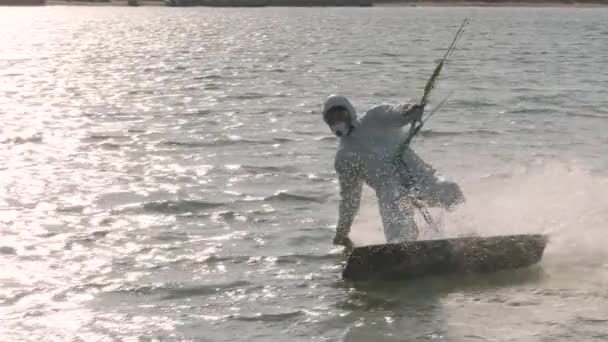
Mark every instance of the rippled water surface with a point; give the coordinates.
(165, 175)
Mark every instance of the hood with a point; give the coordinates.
(339, 101)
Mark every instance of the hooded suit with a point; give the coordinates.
(368, 153)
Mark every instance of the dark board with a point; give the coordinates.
(415, 259)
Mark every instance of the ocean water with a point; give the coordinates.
(165, 174)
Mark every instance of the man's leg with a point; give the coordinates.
(398, 219)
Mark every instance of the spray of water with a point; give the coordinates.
(562, 200)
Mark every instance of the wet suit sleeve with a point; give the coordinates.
(393, 116)
(351, 185)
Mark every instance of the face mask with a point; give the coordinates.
(339, 128)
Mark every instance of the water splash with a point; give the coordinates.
(563, 200)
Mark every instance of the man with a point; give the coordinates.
(368, 152)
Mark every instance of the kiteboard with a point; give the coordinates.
(414, 259)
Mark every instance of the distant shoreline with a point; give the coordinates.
(110, 3)
(384, 3)
(490, 3)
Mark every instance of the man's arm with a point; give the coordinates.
(397, 116)
(351, 186)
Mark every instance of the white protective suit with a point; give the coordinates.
(368, 154)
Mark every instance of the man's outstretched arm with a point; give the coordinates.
(351, 186)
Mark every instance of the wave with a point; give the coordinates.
(15, 298)
(207, 77)
(100, 137)
(247, 96)
(110, 146)
(306, 240)
(141, 92)
(592, 320)
(216, 142)
(431, 133)
(6, 250)
(36, 138)
(588, 115)
(327, 138)
(269, 317)
(179, 206)
(202, 143)
(202, 290)
(259, 317)
(136, 130)
(287, 197)
(216, 259)
(297, 258)
(71, 209)
(199, 112)
(207, 143)
(470, 103)
(174, 291)
(390, 54)
(266, 169)
(244, 259)
(282, 140)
